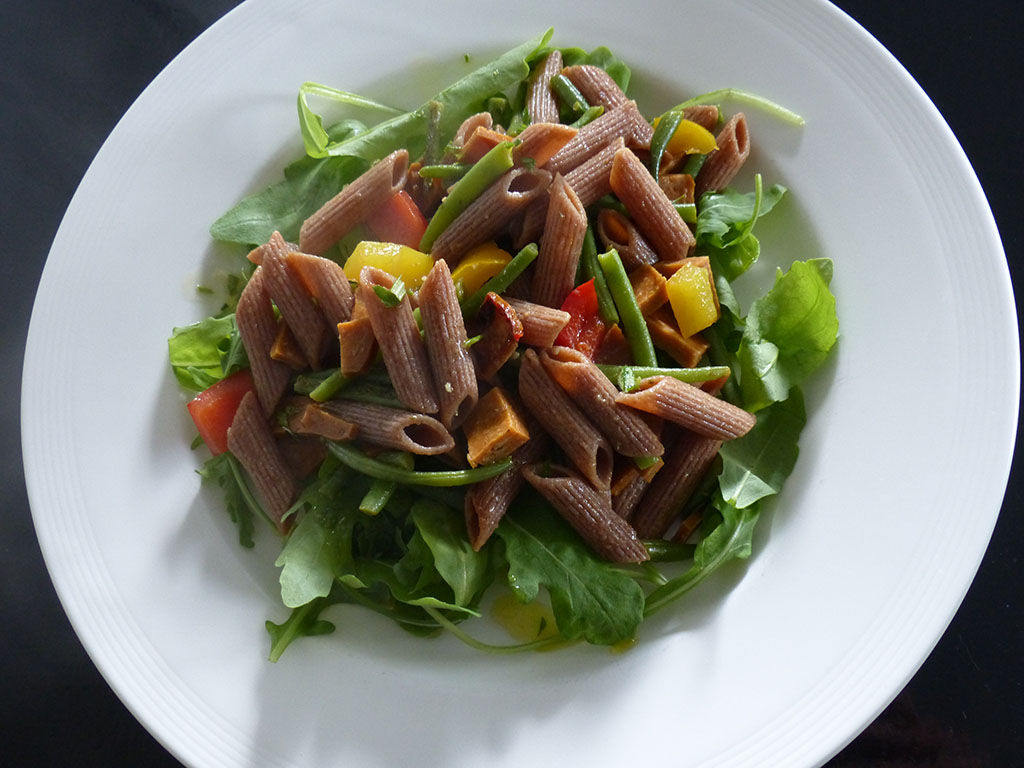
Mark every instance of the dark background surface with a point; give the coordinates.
(70, 69)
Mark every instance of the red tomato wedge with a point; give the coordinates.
(585, 329)
(214, 408)
(399, 220)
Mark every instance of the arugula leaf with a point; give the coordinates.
(725, 226)
(590, 598)
(729, 540)
(304, 621)
(788, 333)
(311, 125)
(443, 530)
(313, 556)
(757, 464)
(197, 352)
(223, 470)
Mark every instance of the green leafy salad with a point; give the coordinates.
(386, 530)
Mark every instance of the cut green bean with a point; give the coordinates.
(634, 326)
(591, 269)
(445, 172)
(329, 387)
(569, 95)
(693, 164)
(501, 281)
(352, 457)
(688, 211)
(626, 377)
(589, 115)
(381, 491)
(664, 551)
(484, 172)
(667, 125)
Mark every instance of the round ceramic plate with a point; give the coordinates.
(858, 567)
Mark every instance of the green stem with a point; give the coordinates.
(592, 269)
(626, 377)
(746, 97)
(359, 461)
(472, 642)
(634, 326)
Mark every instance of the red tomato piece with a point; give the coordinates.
(585, 329)
(214, 408)
(399, 220)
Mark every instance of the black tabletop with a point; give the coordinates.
(70, 69)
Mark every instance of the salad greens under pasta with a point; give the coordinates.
(385, 529)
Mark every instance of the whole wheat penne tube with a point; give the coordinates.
(252, 443)
(354, 203)
(686, 463)
(487, 501)
(689, 406)
(649, 208)
(398, 337)
(310, 418)
(596, 85)
(445, 335)
(704, 115)
(592, 391)
(554, 275)
(490, 212)
(626, 500)
(326, 282)
(541, 324)
(293, 300)
(257, 327)
(568, 426)
(620, 122)
(589, 511)
(393, 427)
(540, 141)
(723, 163)
(541, 105)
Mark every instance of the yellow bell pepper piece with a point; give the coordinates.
(690, 139)
(397, 260)
(692, 298)
(479, 265)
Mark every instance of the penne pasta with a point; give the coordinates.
(617, 123)
(398, 337)
(540, 101)
(649, 208)
(257, 327)
(596, 85)
(393, 428)
(616, 231)
(723, 163)
(567, 425)
(589, 511)
(326, 282)
(681, 403)
(445, 335)
(541, 324)
(295, 304)
(354, 203)
(540, 141)
(554, 275)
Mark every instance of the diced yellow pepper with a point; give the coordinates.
(690, 138)
(397, 260)
(479, 265)
(692, 297)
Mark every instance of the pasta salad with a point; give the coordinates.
(484, 357)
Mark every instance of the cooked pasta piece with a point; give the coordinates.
(568, 426)
(393, 427)
(649, 208)
(596, 85)
(554, 275)
(257, 327)
(541, 325)
(398, 337)
(469, 126)
(445, 335)
(620, 122)
(252, 443)
(480, 142)
(686, 464)
(723, 163)
(354, 203)
(325, 281)
(704, 115)
(594, 393)
(589, 511)
(625, 502)
(540, 101)
(616, 231)
(490, 212)
(487, 501)
(540, 141)
(689, 406)
(289, 294)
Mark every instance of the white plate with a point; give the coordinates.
(858, 568)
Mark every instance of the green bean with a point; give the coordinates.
(501, 281)
(329, 387)
(589, 115)
(634, 326)
(381, 491)
(478, 178)
(591, 269)
(693, 164)
(688, 211)
(359, 461)
(569, 95)
(626, 377)
(446, 171)
(667, 125)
